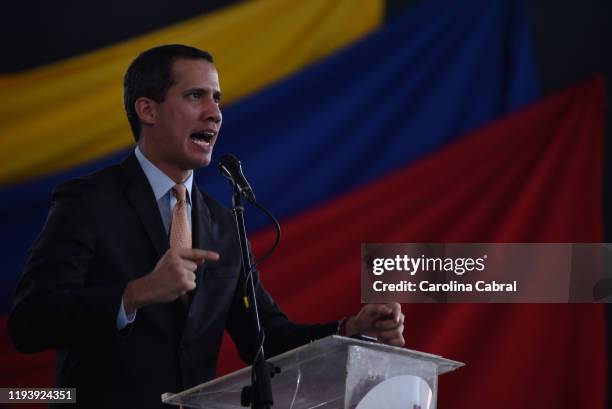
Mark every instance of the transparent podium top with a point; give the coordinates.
(324, 374)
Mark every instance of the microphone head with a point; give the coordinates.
(230, 168)
(229, 165)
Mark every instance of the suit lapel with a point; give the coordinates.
(202, 237)
(141, 197)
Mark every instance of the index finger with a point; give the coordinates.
(199, 255)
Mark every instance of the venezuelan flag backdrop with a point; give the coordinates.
(352, 126)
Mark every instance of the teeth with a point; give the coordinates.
(204, 136)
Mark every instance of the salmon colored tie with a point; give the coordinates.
(180, 229)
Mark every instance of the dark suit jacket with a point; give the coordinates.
(103, 231)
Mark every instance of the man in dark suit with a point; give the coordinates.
(130, 315)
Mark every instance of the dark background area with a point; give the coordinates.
(571, 39)
(572, 42)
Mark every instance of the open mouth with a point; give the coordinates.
(203, 137)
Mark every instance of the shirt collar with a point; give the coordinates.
(159, 181)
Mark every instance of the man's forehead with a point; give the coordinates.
(194, 70)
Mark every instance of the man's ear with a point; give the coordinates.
(146, 109)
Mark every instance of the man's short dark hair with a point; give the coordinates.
(150, 76)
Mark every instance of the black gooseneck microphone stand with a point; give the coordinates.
(259, 394)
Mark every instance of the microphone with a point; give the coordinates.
(230, 167)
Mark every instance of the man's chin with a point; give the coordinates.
(200, 163)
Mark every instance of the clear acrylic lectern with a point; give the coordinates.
(334, 372)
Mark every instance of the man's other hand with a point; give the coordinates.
(383, 321)
(173, 276)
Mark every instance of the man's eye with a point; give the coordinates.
(194, 95)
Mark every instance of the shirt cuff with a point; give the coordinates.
(123, 319)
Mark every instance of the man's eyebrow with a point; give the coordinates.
(190, 90)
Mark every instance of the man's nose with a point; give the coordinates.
(212, 112)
